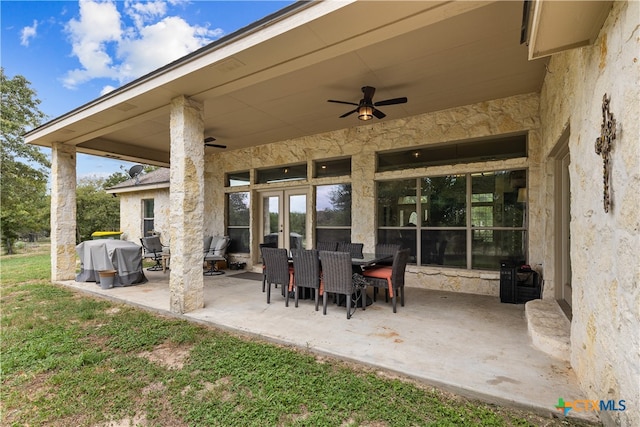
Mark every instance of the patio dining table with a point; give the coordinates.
(368, 259)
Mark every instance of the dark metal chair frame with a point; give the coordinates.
(306, 267)
(211, 257)
(153, 248)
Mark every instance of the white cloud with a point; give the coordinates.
(28, 33)
(99, 25)
(108, 88)
(159, 44)
(109, 48)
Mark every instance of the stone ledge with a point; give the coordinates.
(548, 327)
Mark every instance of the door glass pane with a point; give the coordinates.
(271, 219)
(297, 221)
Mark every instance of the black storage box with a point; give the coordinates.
(518, 286)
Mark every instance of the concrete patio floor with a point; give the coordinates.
(470, 345)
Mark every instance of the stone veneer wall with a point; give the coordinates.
(605, 329)
(518, 114)
(131, 214)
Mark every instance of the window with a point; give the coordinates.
(237, 179)
(505, 147)
(467, 221)
(333, 213)
(326, 168)
(238, 205)
(282, 174)
(147, 217)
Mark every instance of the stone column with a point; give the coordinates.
(186, 202)
(63, 212)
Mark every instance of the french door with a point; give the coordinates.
(283, 219)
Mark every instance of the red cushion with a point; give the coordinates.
(378, 273)
(381, 273)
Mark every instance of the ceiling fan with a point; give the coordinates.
(366, 108)
(208, 143)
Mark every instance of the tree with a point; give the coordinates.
(23, 167)
(96, 209)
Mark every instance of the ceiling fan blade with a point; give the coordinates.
(215, 145)
(209, 139)
(348, 114)
(368, 92)
(379, 114)
(342, 102)
(391, 101)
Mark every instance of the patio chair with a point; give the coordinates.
(327, 246)
(264, 271)
(337, 278)
(153, 249)
(355, 249)
(217, 251)
(390, 278)
(277, 270)
(387, 249)
(306, 267)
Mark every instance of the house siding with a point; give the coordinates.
(131, 214)
(605, 329)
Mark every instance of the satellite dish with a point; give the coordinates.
(135, 171)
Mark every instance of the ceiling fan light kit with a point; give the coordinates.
(366, 107)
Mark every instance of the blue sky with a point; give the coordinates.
(74, 51)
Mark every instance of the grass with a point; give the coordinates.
(72, 360)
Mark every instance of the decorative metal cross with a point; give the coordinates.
(604, 145)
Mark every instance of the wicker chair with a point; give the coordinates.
(276, 270)
(387, 249)
(390, 278)
(337, 276)
(264, 271)
(355, 249)
(306, 267)
(327, 246)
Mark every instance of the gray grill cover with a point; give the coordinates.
(120, 255)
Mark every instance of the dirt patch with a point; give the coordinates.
(168, 355)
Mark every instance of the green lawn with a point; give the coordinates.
(73, 360)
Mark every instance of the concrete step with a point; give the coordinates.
(548, 327)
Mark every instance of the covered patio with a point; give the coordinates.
(471, 345)
(497, 152)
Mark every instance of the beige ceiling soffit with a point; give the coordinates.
(106, 148)
(557, 26)
(425, 17)
(124, 124)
